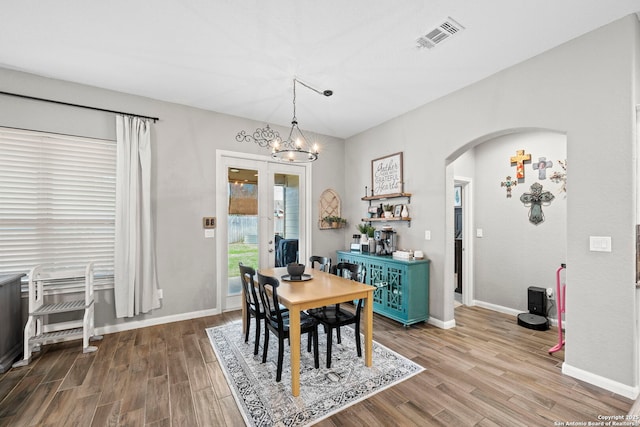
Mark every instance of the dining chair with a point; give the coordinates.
(324, 263)
(253, 306)
(350, 270)
(333, 317)
(252, 303)
(278, 323)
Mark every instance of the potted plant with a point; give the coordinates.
(366, 232)
(335, 221)
(370, 231)
(388, 211)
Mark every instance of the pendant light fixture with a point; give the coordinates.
(296, 148)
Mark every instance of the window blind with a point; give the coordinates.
(57, 202)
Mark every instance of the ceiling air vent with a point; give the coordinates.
(442, 32)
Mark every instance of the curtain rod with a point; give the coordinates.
(69, 104)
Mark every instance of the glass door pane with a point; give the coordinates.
(242, 224)
(286, 218)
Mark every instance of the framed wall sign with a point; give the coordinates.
(386, 175)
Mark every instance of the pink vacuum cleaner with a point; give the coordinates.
(561, 290)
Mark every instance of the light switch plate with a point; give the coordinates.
(427, 234)
(479, 232)
(600, 243)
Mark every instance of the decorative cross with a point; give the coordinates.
(542, 166)
(561, 177)
(535, 199)
(519, 160)
(508, 182)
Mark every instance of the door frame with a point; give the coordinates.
(467, 238)
(233, 303)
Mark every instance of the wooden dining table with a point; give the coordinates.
(321, 290)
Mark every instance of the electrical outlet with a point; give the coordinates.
(160, 294)
(427, 234)
(549, 292)
(209, 222)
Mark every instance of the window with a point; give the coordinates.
(57, 202)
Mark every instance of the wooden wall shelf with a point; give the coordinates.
(385, 197)
(388, 196)
(385, 219)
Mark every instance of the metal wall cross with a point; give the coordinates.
(542, 165)
(535, 199)
(519, 160)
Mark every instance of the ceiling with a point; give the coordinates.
(239, 57)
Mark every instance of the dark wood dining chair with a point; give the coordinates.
(252, 304)
(278, 322)
(333, 317)
(324, 263)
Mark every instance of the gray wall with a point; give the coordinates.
(584, 89)
(184, 149)
(513, 253)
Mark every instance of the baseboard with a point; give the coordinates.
(440, 324)
(605, 383)
(514, 312)
(127, 326)
(498, 308)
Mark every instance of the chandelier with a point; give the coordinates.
(296, 148)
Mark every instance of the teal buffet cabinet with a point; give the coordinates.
(402, 292)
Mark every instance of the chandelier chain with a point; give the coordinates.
(291, 150)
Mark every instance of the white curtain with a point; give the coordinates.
(135, 287)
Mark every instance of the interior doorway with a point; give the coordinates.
(457, 237)
(463, 267)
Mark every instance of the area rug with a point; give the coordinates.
(323, 392)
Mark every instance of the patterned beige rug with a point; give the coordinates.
(323, 392)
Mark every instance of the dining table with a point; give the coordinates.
(318, 289)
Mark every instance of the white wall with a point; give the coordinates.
(184, 176)
(584, 89)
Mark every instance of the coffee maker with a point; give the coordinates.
(386, 241)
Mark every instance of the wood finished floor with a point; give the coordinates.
(485, 372)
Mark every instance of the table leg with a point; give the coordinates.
(294, 337)
(368, 329)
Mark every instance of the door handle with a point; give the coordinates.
(270, 250)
